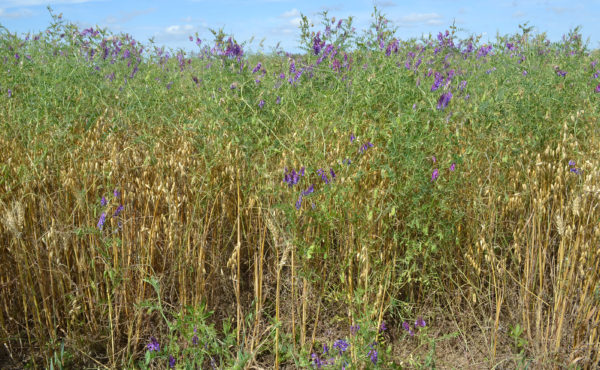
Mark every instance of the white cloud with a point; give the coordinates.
(295, 22)
(291, 13)
(179, 29)
(518, 14)
(416, 19)
(21, 13)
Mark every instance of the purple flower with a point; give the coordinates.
(153, 345)
(9, 93)
(257, 68)
(310, 190)
(195, 337)
(435, 174)
(597, 89)
(115, 193)
(233, 50)
(444, 100)
(341, 345)
(352, 138)
(576, 171)
(437, 82)
(126, 54)
(354, 329)
(406, 326)
(524, 73)
(101, 220)
(172, 362)
(103, 201)
(433, 159)
(17, 56)
(420, 323)
(261, 103)
(382, 328)
(119, 209)
(332, 173)
(278, 100)
(366, 146)
(299, 202)
(317, 362)
(483, 51)
(323, 175)
(317, 44)
(571, 163)
(292, 177)
(452, 167)
(490, 70)
(418, 63)
(561, 73)
(373, 355)
(169, 85)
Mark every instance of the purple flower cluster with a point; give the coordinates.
(574, 169)
(321, 172)
(153, 345)
(317, 43)
(365, 146)
(445, 40)
(382, 328)
(341, 345)
(292, 177)
(392, 47)
(444, 100)
(437, 82)
(373, 354)
(419, 323)
(195, 337)
(484, 51)
(510, 46)
(103, 203)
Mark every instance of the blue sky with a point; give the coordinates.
(171, 22)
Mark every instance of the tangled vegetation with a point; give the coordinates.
(359, 205)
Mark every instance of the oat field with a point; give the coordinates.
(370, 203)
